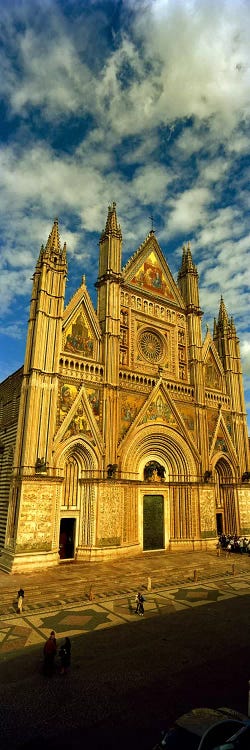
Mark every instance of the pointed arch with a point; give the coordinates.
(225, 494)
(162, 444)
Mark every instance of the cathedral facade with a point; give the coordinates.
(124, 430)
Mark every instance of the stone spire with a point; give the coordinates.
(187, 261)
(223, 316)
(188, 278)
(53, 245)
(112, 227)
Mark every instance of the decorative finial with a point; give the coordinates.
(152, 223)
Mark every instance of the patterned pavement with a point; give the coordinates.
(74, 616)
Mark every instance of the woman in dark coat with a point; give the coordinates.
(65, 654)
(49, 653)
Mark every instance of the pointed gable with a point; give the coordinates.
(78, 418)
(81, 329)
(214, 373)
(159, 408)
(222, 442)
(130, 405)
(148, 270)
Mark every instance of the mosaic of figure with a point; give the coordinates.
(159, 410)
(67, 397)
(94, 400)
(211, 423)
(212, 375)
(78, 425)
(188, 416)
(220, 444)
(78, 338)
(130, 407)
(151, 277)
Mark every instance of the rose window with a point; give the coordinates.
(151, 346)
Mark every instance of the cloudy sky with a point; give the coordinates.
(145, 102)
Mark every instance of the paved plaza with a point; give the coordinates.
(74, 599)
(126, 683)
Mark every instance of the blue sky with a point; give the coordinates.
(145, 102)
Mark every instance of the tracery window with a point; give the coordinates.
(70, 488)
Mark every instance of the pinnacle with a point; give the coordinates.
(112, 226)
(53, 242)
(223, 316)
(187, 263)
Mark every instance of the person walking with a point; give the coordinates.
(218, 548)
(20, 596)
(139, 604)
(49, 653)
(65, 655)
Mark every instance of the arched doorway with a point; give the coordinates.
(76, 518)
(167, 501)
(67, 538)
(225, 499)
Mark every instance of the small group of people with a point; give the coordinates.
(233, 543)
(139, 600)
(50, 651)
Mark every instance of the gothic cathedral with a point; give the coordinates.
(124, 430)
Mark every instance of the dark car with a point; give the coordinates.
(208, 729)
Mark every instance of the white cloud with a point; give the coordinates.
(179, 60)
(245, 355)
(189, 210)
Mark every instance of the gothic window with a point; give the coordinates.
(70, 488)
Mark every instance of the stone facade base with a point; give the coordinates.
(93, 554)
(191, 545)
(27, 562)
(34, 561)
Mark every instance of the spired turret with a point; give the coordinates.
(41, 366)
(47, 304)
(110, 246)
(108, 312)
(108, 285)
(188, 281)
(227, 344)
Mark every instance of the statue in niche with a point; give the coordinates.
(111, 470)
(41, 464)
(154, 472)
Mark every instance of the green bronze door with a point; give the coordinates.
(153, 522)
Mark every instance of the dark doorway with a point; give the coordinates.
(153, 522)
(219, 523)
(67, 538)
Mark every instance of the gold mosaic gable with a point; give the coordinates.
(187, 413)
(78, 335)
(78, 424)
(94, 398)
(228, 423)
(76, 414)
(131, 404)
(222, 442)
(151, 278)
(212, 420)
(67, 396)
(159, 410)
(213, 377)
